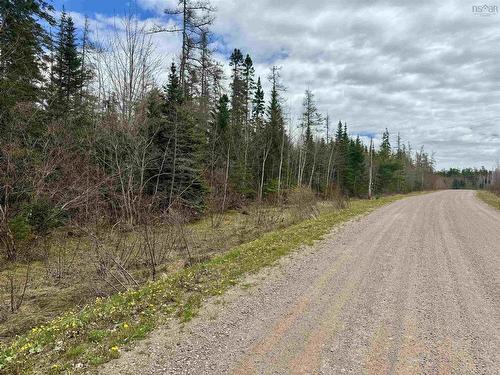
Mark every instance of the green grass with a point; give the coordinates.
(79, 340)
(490, 198)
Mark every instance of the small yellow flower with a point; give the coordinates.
(114, 348)
(26, 346)
(125, 325)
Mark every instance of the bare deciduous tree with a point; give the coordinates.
(127, 64)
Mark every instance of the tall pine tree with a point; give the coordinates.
(311, 119)
(67, 75)
(23, 42)
(176, 172)
(274, 127)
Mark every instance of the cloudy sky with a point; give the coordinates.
(429, 70)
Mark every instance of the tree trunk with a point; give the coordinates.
(174, 166)
(329, 169)
(370, 182)
(261, 187)
(281, 164)
(226, 180)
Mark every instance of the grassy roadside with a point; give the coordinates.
(489, 198)
(71, 266)
(80, 340)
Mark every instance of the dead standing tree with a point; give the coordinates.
(194, 17)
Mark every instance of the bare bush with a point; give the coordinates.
(266, 217)
(59, 260)
(221, 197)
(339, 200)
(303, 202)
(495, 181)
(112, 262)
(7, 239)
(184, 235)
(157, 246)
(334, 194)
(148, 249)
(15, 286)
(11, 175)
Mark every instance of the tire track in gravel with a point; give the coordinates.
(309, 359)
(478, 315)
(281, 335)
(371, 338)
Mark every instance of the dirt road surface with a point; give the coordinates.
(413, 288)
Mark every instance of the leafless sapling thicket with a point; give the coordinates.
(15, 286)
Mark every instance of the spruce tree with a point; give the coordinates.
(23, 42)
(258, 141)
(238, 110)
(258, 103)
(311, 119)
(194, 16)
(355, 168)
(177, 147)
(219, 132)
(385, 146)
(341, 149)
(386, 178)
(237, 93)
(248, 77)
(307, 118)
(274, 131)
(67, 73)
(217, 158)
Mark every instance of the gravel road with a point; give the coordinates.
(413, 288)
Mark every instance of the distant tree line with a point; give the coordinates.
(467, 178)
(87, 134)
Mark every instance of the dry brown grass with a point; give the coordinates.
(78, 264)
(490, 198)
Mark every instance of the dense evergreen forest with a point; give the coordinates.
(88, 134)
